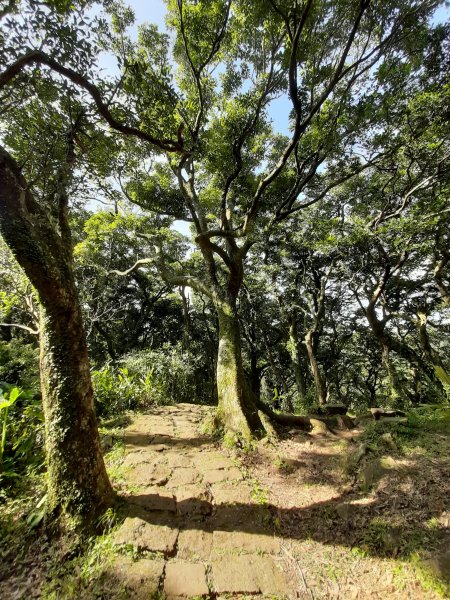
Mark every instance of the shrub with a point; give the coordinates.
(151, 377)
(22, 432)
(19, 365)
(176, 375)
(115, 390)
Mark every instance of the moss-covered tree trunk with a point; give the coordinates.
(319, 382)
(429, 352)
(78, 486)
(296, 360)
(236, 411)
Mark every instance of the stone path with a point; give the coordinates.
(191, 513)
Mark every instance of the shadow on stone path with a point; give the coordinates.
(194, 512)
(191, 506)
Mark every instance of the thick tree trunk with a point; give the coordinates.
(236, 411)
(78, 486)
(321, 390)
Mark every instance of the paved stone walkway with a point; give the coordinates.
(194, 514)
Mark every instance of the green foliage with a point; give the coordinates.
(176, 375)
(150, 377)
(410, 434)
(116, 390)
(21, 433)
(19, 365)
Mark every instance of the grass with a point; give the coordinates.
(259, 494)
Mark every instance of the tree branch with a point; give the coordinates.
(39, 57)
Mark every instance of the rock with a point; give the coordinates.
(344, 511)
(207, 461)
(216, 475)
(250, 574)
(228, 542)
(193, 499)
(389, 441)
(332, 409)
(439, 565)
(140, 579)
(154, 498)
(371, 473)
(195, 544)
(234, 575)
(226, 493)
(378, 413)
(183, 476)
(185, 580)
(345, 422)
(147, 536)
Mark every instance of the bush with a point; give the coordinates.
(22, 432)
(19, 365)
(176, 375)
(151, 377)
(115, 390)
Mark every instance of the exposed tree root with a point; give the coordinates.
(309, 424)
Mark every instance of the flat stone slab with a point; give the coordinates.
(249, 574)
(184, 579)
(229, 542)
(140, 579)
(147, 536)
(233, 575)
(154, 498)
(254, 518)
(178, 460)
(195, 544)
(183, 476)
(218, 475)
(136, 458)
(271, 579)
(148, 473)
(207, 461)
(193, 499)
(226, 493)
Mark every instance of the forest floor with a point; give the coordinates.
(353, 515)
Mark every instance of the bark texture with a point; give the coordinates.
(237, 411)
(78, 486)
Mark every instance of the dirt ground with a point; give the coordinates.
(315, 517)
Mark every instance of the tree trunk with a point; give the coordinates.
(295, 352)
(78, 486)
(77, 481)
(236, 408)
(395, 389)
(321, 390)
(429, 352)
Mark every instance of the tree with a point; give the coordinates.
(235, 177)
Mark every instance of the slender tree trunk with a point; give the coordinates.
(430, 353)
(395, 389)
(236, 408)
(78, 486)
(319, 383)
(186, 319)
(295, 352)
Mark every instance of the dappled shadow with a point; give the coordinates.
(160, 440)
(311, 469)
(393, 521)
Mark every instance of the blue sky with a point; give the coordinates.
(154, 11)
